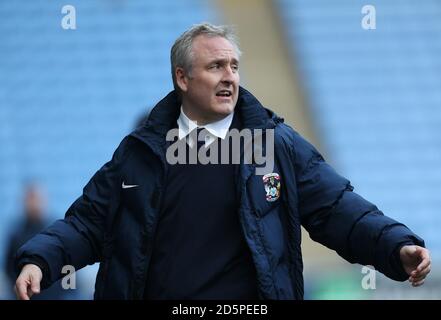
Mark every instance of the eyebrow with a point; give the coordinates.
(223, 61)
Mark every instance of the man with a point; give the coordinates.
(32, 222)
(214, 231)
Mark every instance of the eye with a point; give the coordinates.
(215, 66)
(235, 67)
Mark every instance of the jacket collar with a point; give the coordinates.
(164, 115)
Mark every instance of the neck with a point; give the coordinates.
(198, 118)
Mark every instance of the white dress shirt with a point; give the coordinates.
(217, 129)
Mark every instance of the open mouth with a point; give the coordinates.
(224, 93)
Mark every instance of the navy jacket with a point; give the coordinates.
(115, 226)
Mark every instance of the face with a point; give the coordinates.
(34, 203)
(210, 90)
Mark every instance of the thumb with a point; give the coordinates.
(416, 251)
(410, 251)
(35, 285)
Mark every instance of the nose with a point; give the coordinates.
(228, 76)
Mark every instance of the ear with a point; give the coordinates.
(181, 79)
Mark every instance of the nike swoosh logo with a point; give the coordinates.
(128, 186)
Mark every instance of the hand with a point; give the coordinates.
(416, 263)
(28, 282)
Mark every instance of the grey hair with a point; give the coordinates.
(181, 55)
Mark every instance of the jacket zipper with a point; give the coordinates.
(148, 252)
(259, 228)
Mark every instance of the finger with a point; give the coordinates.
(423, 272)
(417, 279)
(21, 289)
(418, 283)
(30, 293)
(421, 275)
(424, 263)
(35, 286)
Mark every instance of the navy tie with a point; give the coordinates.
(202, 142)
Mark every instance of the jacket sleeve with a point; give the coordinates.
(77, 239)
(342, 220)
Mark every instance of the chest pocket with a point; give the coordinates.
(265, 192)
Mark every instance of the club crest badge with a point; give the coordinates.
(271, 181)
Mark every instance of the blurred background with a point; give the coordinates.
(367, 93)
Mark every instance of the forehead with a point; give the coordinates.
(207, 48)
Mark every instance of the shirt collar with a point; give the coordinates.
(217, 129)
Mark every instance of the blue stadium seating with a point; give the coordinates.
(67, 97)
(375, 99)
